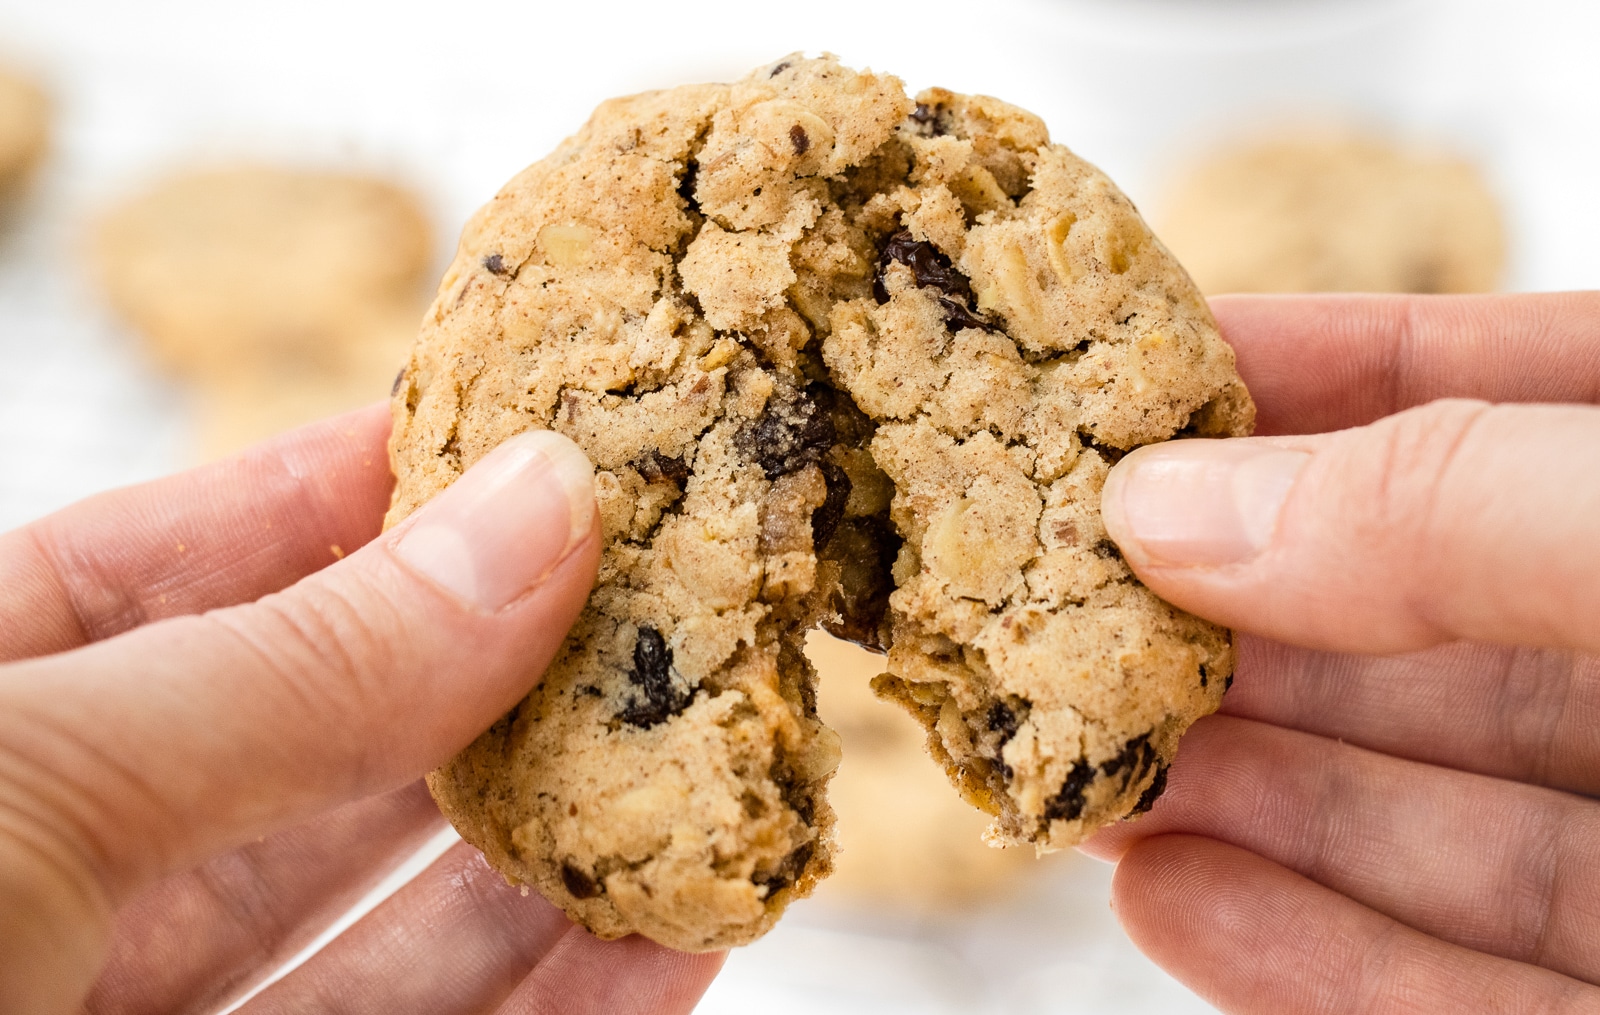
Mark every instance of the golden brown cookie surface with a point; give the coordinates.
(819, 339)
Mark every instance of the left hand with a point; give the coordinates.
(217, 692)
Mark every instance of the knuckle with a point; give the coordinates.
(329, 644)
(1414, 452)
(246, 897)
(1532, 884)
(93, 590)
(62, 790)
(1407, 510)
(1535, 695)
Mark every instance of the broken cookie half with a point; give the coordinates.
(841, 358)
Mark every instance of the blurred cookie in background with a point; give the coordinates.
(239, 410)
(907, 841)
(1335, 212)
(24, 131)
(283, 294)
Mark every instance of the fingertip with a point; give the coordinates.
(1170, 891)
(1113, 509)
(1108, 844)
(506, 524)
(1199, 503)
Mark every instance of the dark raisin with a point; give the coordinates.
(496, 264)
(853, 427)
(930, 269)
(793, 432)
(579, 884)
(958, 316)
(652, 674)
(1157, 786)
(658, 468)
(779, 69)
(930, 117)
(866, 549)
(686, 185)
(826, 518)
(929, 266)
(798, 138)
(796, 795)
(1067, 804)
(1203, 675)
(399, 379)
(1134, 759)
(788, 871)
(1003, 720)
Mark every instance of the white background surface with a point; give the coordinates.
(456, 97)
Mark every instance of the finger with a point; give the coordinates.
(196, 941)
(1498, 867)
(1319, 363)
(583, 974)
(132, 758)
(1251, 937)
(1532, 715)
(1458, 520)
(456, 939)
(224, 534)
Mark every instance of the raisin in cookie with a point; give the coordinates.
(1307, 212)
(840, 358)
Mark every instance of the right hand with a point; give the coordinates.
(1396, 810)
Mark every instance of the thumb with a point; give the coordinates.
(127, 759)
(1456, 520)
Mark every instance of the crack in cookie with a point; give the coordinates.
(845, 359)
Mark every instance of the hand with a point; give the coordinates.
(191, 789)
(1395, 810)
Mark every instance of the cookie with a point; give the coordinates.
(840, 358)
(284, 294)
(906, 844)
(24, 131)
(1336, 213)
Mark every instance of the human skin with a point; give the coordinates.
(186, 797)
(217, 693)
(1395, 810)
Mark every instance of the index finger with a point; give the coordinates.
(1320, 363)
(220, 535)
